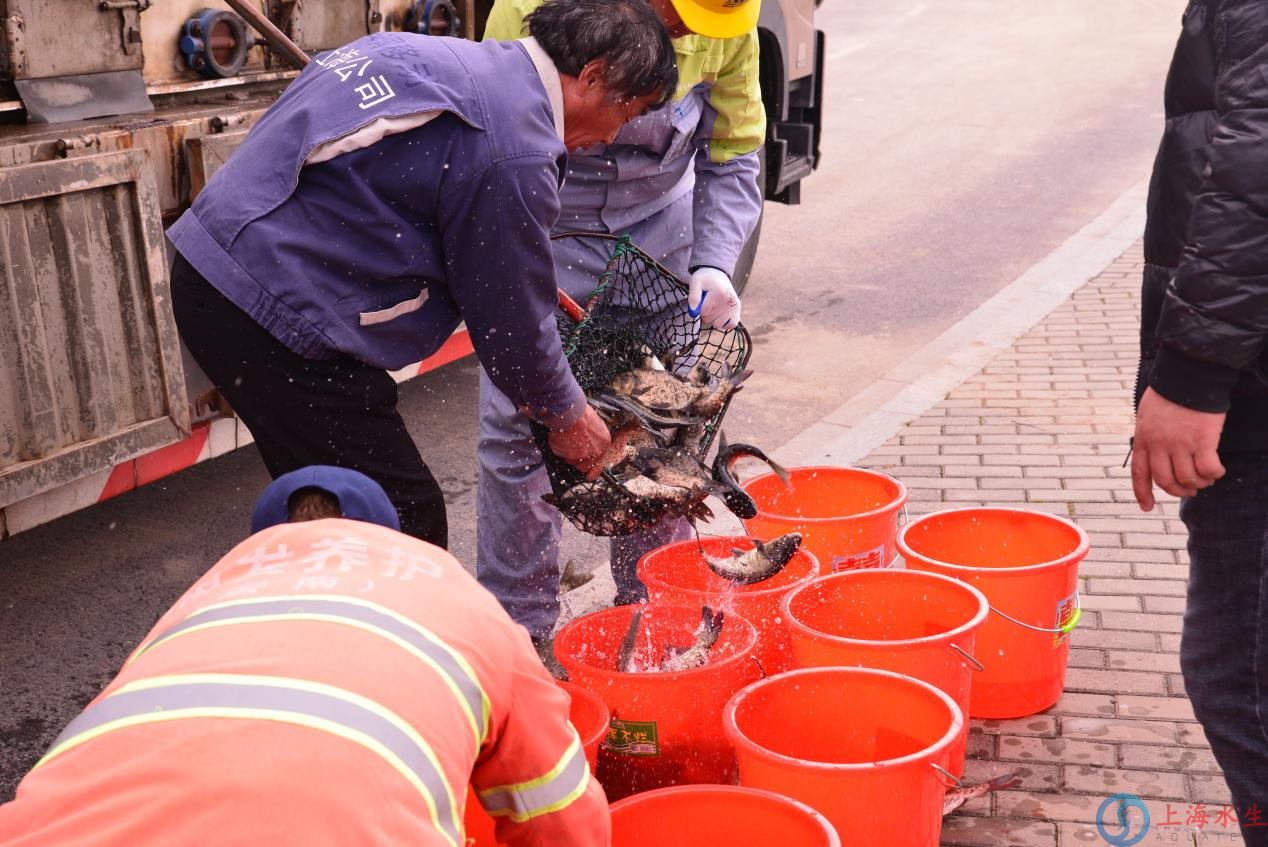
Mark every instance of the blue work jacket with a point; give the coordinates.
(438, 213)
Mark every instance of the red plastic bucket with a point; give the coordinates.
(590, 718)
(718, 816)
(920, 624)
(666, 727)
(866, 748)
(589, 715)
(1027, 565)
(675, 573)
(848, 516)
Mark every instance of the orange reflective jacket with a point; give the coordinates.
(325, 683)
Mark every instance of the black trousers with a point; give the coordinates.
(308, 411)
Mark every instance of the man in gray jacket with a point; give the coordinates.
(682, 183)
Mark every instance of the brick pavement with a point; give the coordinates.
(1045, 426)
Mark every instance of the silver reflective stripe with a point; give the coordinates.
(549, 74)
(359, 612)
(320, 707)
(393, 312)
(554, 791)
(371, 133)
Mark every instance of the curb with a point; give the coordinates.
(924, 379)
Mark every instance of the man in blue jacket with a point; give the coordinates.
(401, 185)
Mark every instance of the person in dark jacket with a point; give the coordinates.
(1202, 415)
(402, 185)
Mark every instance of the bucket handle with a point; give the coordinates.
(968, 657)
(903, 519)
(1064, 629)
(955, 780)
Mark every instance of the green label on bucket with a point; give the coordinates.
(1066, 610)
(632, 738)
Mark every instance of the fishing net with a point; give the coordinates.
(637, 308)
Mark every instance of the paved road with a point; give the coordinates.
(964, 141)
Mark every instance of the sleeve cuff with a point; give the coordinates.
(562, 420)
(703, 257)
(694, 268)
(1192, 383)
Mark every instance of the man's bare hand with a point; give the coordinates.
(1175, 447)
(583, 444)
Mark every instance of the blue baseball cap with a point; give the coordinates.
(360, 498)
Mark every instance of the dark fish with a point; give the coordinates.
(697, 654)
(676, 466)
(762, 562)
(716, 392)
(627, 440)
(955, 799)
(634, 502)
(619, 403)
(678, 658)
(657, 390)
(685, 501)
(659, 418)
(664, 398)
(690, 438)
(574, 576)
(737, 500)
(625, 653)
(641, 485)
(655, 482)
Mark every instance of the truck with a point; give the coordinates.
(113, 116)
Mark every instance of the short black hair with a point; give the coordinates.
(627, 35)
(311, 503)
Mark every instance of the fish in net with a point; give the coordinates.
(638, 353)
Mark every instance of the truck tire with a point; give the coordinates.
(744, 264)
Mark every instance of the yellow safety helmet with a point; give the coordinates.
(718, 18)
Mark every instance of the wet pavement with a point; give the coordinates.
(1044, 426)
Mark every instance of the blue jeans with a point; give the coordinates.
(1224, 647)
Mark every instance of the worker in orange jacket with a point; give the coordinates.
(328, 682)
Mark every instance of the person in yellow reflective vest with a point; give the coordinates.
(330, 681)
(682, 182)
